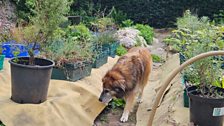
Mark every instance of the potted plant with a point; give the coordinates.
(202, 79)
(30, 76)
(108, 40)
(194, 33)
(73, 55)
(100, 56)
(206, 95)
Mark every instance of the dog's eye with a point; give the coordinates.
(117, 90)
(106, 91)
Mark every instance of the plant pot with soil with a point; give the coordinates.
(206, 110)
(30, 82)
(30, 76)
(192, 38)
(72, 53)
(109, 43)
(100, 58)
(205, 89)
(77, 70)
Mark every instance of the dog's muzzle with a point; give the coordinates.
(105, 97)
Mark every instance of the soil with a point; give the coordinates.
(111, 117)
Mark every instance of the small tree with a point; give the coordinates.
(49, 14)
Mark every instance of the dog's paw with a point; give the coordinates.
(124, 117)
(139, 101)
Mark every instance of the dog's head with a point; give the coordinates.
(113, 86)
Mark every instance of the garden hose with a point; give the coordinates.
(172, 75)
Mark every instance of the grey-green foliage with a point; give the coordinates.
(70, 45)
(106, 37)
(192, 22)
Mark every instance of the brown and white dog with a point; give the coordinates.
(127, 79)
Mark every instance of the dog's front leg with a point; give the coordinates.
(129, 99)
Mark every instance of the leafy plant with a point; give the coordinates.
(1, 124)
(70, 45)
(127, 23)
(120, 51)
(192, 22)
(117, 103)
(104, 24)
(25, 9)
(219, 18)
(156, 58)
(107, 37)
(4, 37)
(195, 37)
(117, 15)
(48, 16)
(145, 31)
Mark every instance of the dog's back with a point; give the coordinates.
(135, 66)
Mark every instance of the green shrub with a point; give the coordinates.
(146, 32)
(219, 17)
(127, 23)
(120, 51)
(156, 58)
(118, 15)
(191, 41)
(104, 24)
(71, 44)
(162, 13)
(25, 9)
(192, 22)
(117, 103)
(107, 37)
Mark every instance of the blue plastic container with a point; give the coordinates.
(9, 49)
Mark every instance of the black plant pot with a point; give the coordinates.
(30, 83)
(205, 111)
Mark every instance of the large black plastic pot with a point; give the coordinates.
(30, 83)
(205, 111)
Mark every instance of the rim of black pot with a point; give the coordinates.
(30, 66)
(195, 95)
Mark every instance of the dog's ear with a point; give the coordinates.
(103, 79)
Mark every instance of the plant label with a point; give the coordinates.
(218, 111)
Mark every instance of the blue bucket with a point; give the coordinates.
(8, 49)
